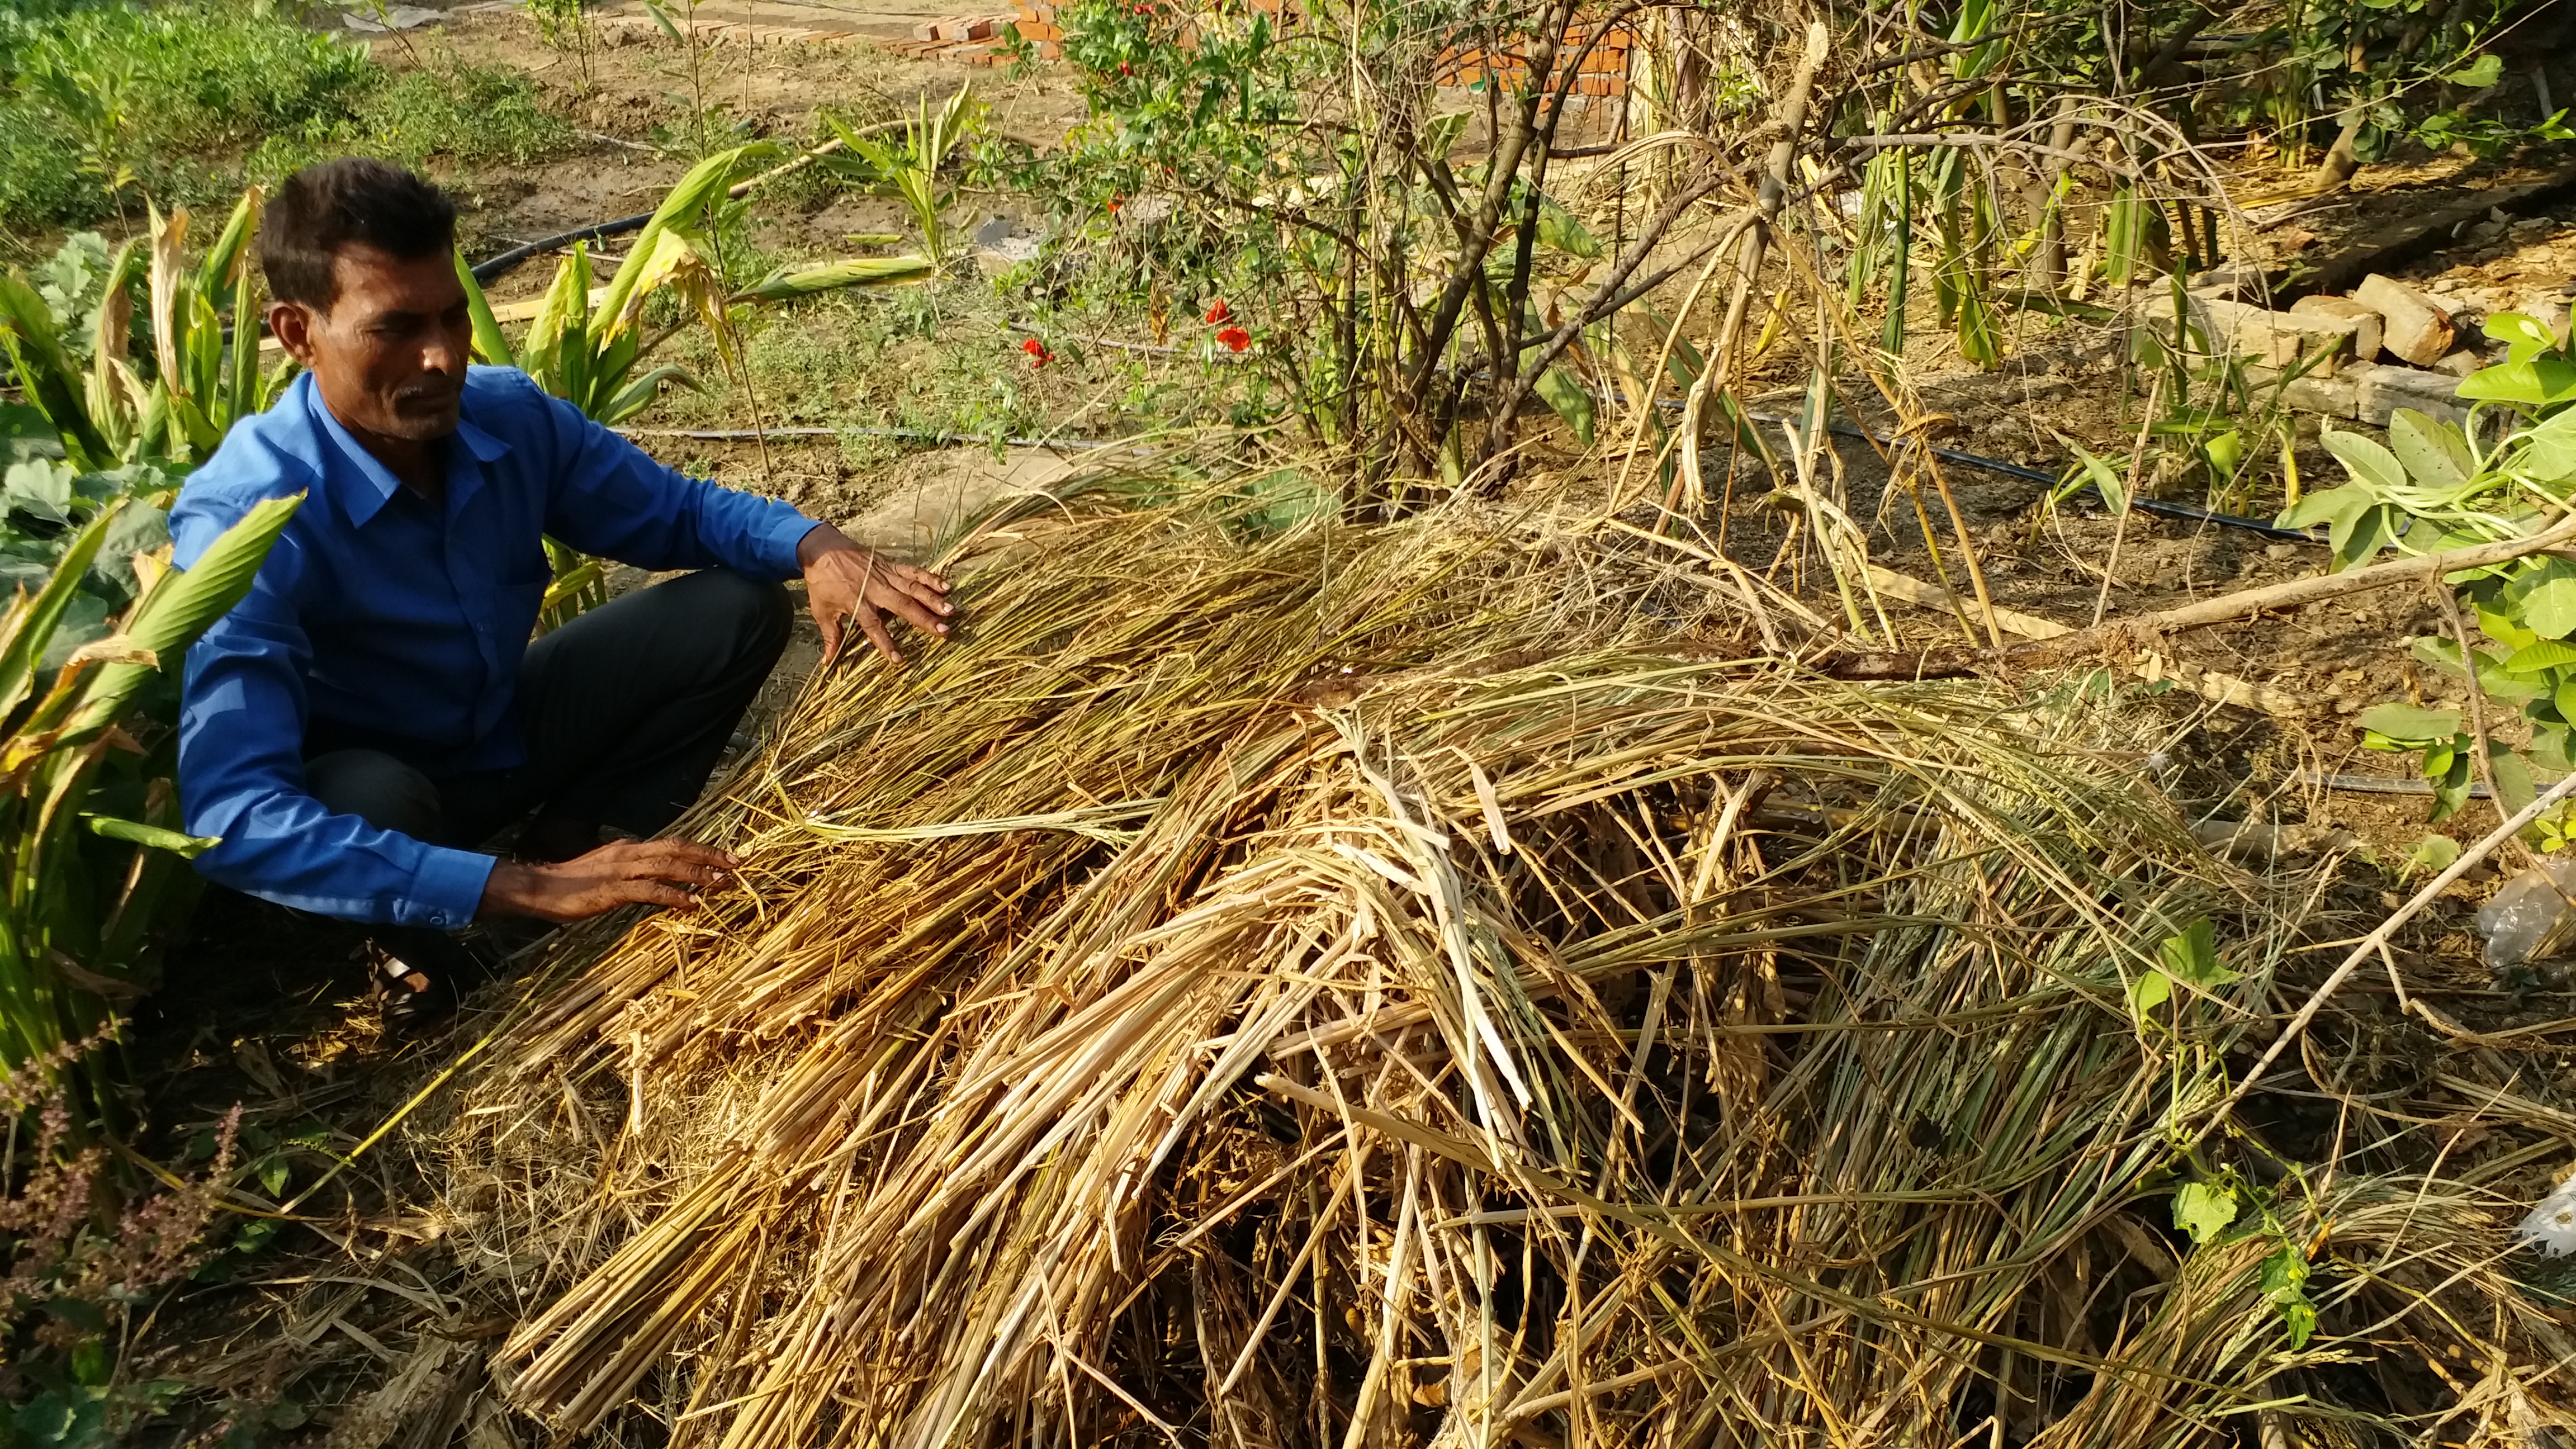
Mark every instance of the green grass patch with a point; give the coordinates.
(103, 105)
(468, 115)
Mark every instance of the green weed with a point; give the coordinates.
(100, 102)
(101, 107)
(465, 114)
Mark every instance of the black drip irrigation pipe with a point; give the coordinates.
(2377, 785)
(486, 272)
(2181, 512)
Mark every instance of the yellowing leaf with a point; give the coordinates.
(2204, 1209)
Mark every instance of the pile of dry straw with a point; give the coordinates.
(1430, 984)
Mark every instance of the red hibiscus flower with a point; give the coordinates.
(1235, 339)
(1218, 313)
(1037, 351)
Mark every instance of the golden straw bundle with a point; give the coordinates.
(1420, 984)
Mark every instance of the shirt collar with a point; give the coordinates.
(378, 482)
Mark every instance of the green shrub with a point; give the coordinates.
(453, 112)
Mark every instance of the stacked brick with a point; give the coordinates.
(1603, 73)
(1037, 25)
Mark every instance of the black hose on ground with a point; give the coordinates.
(486, 272)
(2182, 512)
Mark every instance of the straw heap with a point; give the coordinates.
(1422, 984)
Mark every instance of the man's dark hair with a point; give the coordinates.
(325, 207)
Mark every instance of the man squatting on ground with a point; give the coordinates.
(373, 711)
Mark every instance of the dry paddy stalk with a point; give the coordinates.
(1416, 985)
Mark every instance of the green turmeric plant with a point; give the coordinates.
(89, 845)
(587, 351)
(202, 379)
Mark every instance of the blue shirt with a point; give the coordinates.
(382, 616)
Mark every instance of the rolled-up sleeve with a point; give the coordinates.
(610, 498)
(241, 767)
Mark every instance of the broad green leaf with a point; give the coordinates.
(2325, 506)
(2451, 790)
(225, 261)
(39, 488)
(2192, 957)
(1559, 230)
(2538, 382)
(2106, 481)
(2549, 746)
(2435, 455)
(183, 604)
(2513, 783)
(2496, 624)
(1442, 132)
(2301, 1319)
(2441, 756)
(647, 269)
(662, 18)
(2549, 448)
(2204, 1209)
(2478, 74)
(186, 847)
(46, 372)
(489, 343)
(2524, 337)
(639, 394)
(27, 629)
(2371, 466)
(2539, 655)
(2285, 1285)
(2564, 696)
(2545, 598)
(2148, 992)
(2432, 855)
(2355, 538)
(2225, 452)
(1570, 399)
(704, 185)
(556, 348)
(2437, 651)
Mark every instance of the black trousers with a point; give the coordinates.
(626, 710)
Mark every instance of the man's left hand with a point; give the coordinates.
(844, 581)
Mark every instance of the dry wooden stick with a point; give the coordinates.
(1748, 263)
(2484, 766)
(2373, 943)
(2297, 593)
(2209, 684)
(2128, 485)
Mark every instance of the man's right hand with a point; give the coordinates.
(630, 872)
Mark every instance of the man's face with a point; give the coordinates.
(390, 352)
